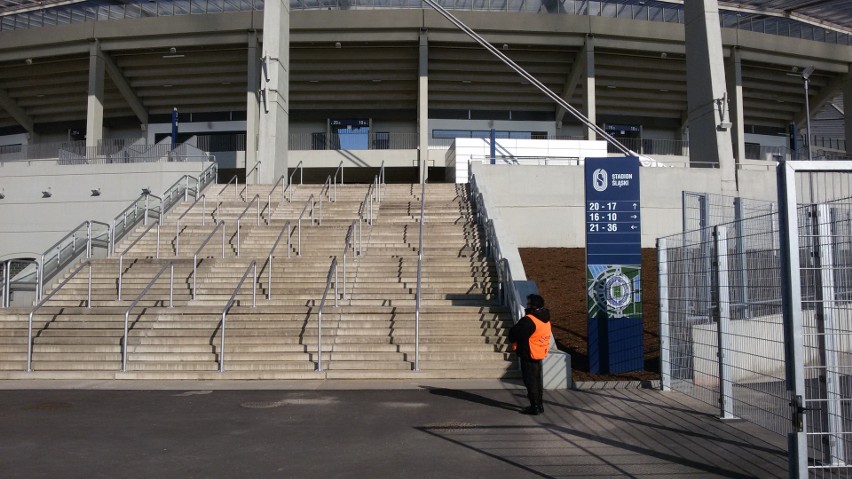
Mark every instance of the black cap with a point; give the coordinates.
(535, 301)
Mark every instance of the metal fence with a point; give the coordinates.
(756, 313)
(354, 141)
(650, 10)
(107, 152)
(703, 210)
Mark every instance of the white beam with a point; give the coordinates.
(126, 90)
(18, 113)
(577, 69)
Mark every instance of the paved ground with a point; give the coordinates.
(399, 430)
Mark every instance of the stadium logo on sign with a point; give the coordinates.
(599, 179)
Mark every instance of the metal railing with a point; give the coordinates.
(79, 240)
(352, 241)
(508, 294)
(326, 190)
(46, 299)
(220, 224)
(353, 141)
(121, 256)
(124, 346)
(310, 202)
(203, 199)
(256, 168)
(236, 181)
(332, 270)
(152, 210)
(230, 304)
(271, 255)
(254, 201)
(418, 296)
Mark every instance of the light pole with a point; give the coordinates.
(806, 74)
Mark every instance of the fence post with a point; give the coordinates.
(705, 281)
(723, 313)
(665, 338)
(794, 358)
(742, 260)
(828, 329)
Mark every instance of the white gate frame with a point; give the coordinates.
(793, 323)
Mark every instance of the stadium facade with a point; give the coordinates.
(392, 82)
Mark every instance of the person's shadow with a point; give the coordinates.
(469, 396)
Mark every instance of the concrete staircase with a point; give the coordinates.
(368, 333)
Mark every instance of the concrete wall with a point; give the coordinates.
(30, 223)
(544, 205)
(353, 158)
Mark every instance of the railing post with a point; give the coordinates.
(172, 286)
(238, 240)
(124, 343)
(120, 272)
(194, 273)
(145, 218)
(254, 286)
(177, 238)
(665, 332)
(319, 340)
(158, 239)
(336, 291)
(88, 239)
(185, 188)
(89, 295)
(223, 239)
(726, 396)
(222, 345)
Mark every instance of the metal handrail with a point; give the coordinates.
(271, 252)
(363, 208)
(381, 181)
(418, 296)
(255, 200)
(256, 167)
(310, 201)
(41, 267)
(347, 243)
(326, 187)
(46, 299)
(177, 224)
(236, 186)
(198, 251)
(230, 304)
(121, 256)
(301, 168)
(139, 298)
(159, 214)
(340, 169)
(331, 269)
(269, 197)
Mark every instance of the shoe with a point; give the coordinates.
(540, 409)
(530, 411)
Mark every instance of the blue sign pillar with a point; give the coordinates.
(614, 265)
(174, 127)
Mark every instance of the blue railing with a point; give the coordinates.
(101, 10)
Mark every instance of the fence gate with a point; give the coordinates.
(815, 206)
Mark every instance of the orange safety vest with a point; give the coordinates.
(540, 339)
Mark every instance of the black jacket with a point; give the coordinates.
(524, 328)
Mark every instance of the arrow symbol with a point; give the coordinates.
(634, 206)
(634, 217)
(633, 227)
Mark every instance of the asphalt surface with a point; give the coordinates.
(441, 430)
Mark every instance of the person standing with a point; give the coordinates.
(530, 338)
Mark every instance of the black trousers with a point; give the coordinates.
(531, 370)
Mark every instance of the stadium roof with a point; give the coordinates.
(831, 14)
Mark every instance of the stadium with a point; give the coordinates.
(336, 180)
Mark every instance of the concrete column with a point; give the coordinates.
(274, 115)
(95, 107)
(709, 120)
(589, 87)
(423, 106)
(847, 107)
(252, 109)
(735, 96)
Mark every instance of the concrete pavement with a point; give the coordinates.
(356, 429)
